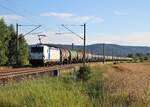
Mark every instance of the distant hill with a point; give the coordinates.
(117, 50)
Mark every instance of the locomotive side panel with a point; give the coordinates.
(54, 54)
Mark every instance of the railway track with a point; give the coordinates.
(19, 72)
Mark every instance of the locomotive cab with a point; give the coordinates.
(36, 55)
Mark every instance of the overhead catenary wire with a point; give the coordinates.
(4, 7)
(31, 19)
(32, 30)
(17, 13)
(8, 1)
(72, 32)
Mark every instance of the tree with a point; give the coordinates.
(23, 51)
(12, 46)
(4, 36)
(3, 58)
(130, 55)
(8, 46)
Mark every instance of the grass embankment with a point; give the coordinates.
(44, 92)
(101, 90)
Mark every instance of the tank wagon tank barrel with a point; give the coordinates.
(73, 56)
(64, 55)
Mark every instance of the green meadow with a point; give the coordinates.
(66, 91)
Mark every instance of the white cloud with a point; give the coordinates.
(119, 13)
(11, 18)
(59, 15)
(52, 37)
(133, 39)
(74, 18)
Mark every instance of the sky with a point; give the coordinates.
(123, 22)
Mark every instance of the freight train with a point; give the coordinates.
(40, 55)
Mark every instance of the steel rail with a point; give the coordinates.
(5, 75)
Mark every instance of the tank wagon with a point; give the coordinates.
(80, 56)
(40, 55)
(64, 55)
(73, 56)
(89, 57)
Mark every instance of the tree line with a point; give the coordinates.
(140, 57)
(8, 50)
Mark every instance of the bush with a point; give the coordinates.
(83, 73)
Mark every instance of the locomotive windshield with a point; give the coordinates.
(37, 49)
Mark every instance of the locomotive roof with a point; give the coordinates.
(49, 45)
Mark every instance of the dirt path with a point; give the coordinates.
(133, 79)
